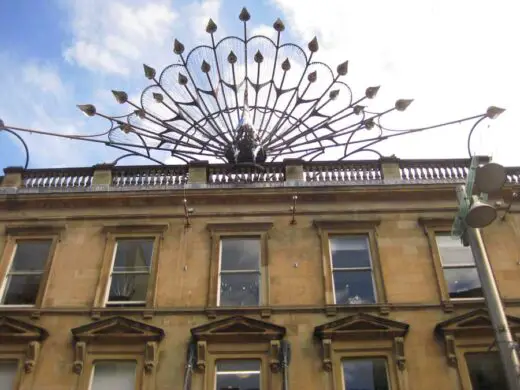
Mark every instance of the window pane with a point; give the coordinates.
(365, 374)
(133, 255)
(452, 251)
(114, 375)
(31, 255)
(463, 282)
(240, 254)
(239, 289)
(238, 375)
(8, 369)
(353, 287)
(485, 371)
(349, 251)
(21, 290)
(128, 287)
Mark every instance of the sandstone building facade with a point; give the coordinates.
(306, 276)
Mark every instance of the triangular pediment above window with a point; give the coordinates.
(473, 323)
(117, 330)
(361, 326)
(16, 331)
(238, 328)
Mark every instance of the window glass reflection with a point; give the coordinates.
(485, 371)
(365, 374)
(238, 375)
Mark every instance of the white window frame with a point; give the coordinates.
(107, 302)
(7, 278)
(245, 272)
(258, 372)
(352, 269)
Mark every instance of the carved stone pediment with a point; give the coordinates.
(473, 324)
(16, 331)
(361, 326)
(238, 328)
(117, 330)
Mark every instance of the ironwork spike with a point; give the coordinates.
(313, 45)
(402, 104)
(2, 124)
(205, 67)
(278, 25)
(286, 65)
(259, 57)
(244, 15)
(87, 109)
(312, 77)
(183, 80)
(211, 27)
(126, 128)
(334, 94)
(149, 72)
(140, 113)
(369, 124)
(371, 92)
(120, 96)
(158, 97)
(493, 112)
(178, 48)
(358, 109)
(343, 68)
(232, 58)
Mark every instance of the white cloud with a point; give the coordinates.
(43, 77)
(454, 58)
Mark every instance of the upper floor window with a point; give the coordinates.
(458, 266)
(111, 375)
(365, 374)
(485, 371)
(130, 274)
(8, 371)
(353, 281)
(23, 280)
(238, 374)
(239, 272)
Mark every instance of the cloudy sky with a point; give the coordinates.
(454, 57)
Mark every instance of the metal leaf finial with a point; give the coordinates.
(278, 25)
(369, 124)
(259, 57)
(120, 96)
(371, 92)
(343, 68)
(126, 128)
(140, 113)
(402, 104)
(286, 65)
(149, 72)
(493, 112)
(87, 109)
(158, 97)
(312, 77)
(313, 45)
(232, 58)
(244, 15)
(334, 94)
(211, 27)
(358, 109)
(178, 48)
(183, 80)
(205, 67)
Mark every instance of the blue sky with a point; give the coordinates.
(454, 58)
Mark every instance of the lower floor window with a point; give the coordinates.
(238, 375)
(112, 375)
(485, 371)
(365, 374)
(8, 370)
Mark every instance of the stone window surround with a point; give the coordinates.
(466, 333)
(239, 338)
(21, 341)
(116, 338)
(367, 227)
(33, 232)
(432, 227)
(238, 229)
(363, 336)
(112, 234)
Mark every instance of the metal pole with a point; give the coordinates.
(503, 338)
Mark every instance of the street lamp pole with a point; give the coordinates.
(479, 215)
